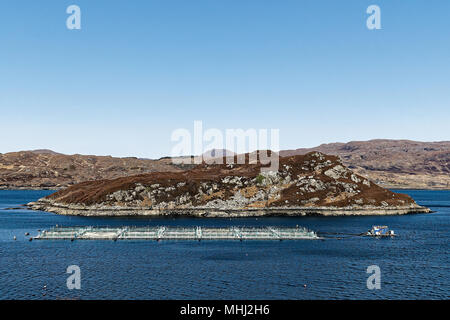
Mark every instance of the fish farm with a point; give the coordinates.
(176, 233)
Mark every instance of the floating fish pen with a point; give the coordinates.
(176, 233)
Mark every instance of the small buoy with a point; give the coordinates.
(31, 239)
(15, 238)
(27, 234)
(45, 287)
(304, 285)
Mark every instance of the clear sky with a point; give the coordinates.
(138, 70)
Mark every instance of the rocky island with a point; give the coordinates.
(310, 184)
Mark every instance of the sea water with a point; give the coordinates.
(414, 265)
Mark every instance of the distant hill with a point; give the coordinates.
(217, 153)
(393, 163)
(45, 169)
(44, 151)
(389, 163)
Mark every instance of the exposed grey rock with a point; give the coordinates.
(336, 172)
(139, 188)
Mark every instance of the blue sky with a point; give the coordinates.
(138, 70)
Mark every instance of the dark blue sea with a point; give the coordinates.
(415, 265)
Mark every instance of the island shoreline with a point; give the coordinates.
(95, 211)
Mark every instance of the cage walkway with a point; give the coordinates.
(176, 233)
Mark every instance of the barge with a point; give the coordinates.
(380, 231)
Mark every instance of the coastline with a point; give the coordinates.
(384, 186)
(202, 212)
(30, 189)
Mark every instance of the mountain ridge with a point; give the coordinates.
(402, 164)
(52, 170)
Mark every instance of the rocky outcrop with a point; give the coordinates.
(314, 183)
